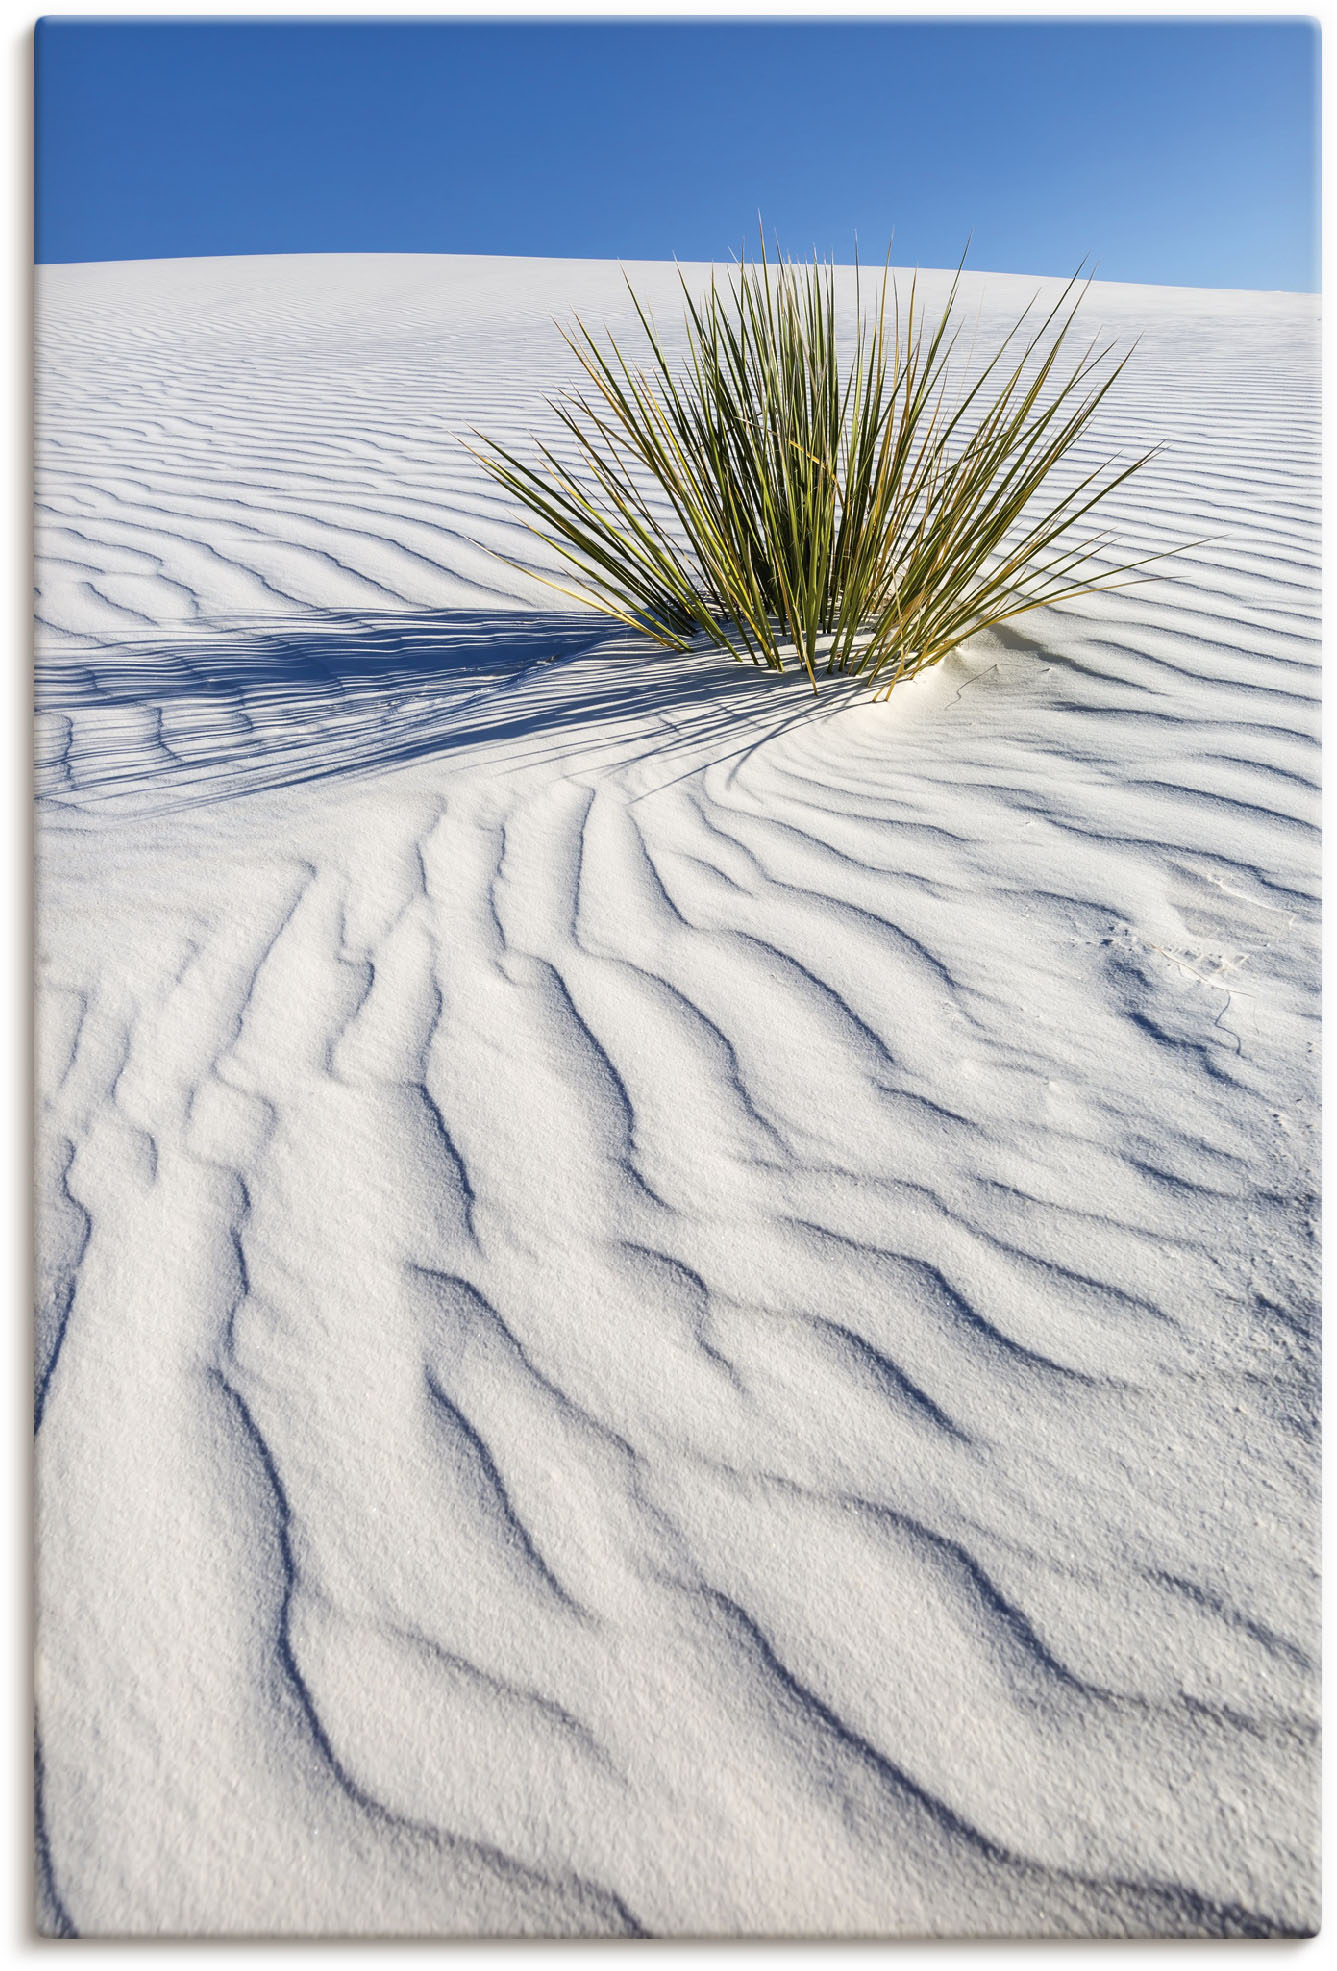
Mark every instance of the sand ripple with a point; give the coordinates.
(663, 1311)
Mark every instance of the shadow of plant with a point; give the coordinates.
(238, 708)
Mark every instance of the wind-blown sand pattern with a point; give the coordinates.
(662, 1309)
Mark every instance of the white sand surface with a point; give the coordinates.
(662, 1309)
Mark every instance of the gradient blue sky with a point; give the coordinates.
(1181, 151)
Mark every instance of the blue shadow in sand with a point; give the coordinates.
(237, 708)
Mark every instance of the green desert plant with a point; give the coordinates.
(865, 508)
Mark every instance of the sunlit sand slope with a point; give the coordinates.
(663, 1309)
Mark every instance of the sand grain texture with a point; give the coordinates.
(661, 1310)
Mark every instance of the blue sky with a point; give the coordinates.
(1181, 151)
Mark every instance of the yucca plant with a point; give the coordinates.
(864, 510)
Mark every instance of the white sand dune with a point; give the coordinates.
(663, 1310)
